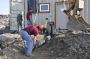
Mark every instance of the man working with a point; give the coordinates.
(28, 40)
(32, 39)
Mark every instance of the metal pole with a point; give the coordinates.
(24, 13)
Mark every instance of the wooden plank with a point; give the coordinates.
(66, 2)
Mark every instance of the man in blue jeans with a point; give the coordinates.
(28, 40)
(31, 38)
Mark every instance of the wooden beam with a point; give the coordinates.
(67, 1)
(76, 7)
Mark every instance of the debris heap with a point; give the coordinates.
(74, 46)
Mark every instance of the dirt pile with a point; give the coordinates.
(66, 46)
(76, 46)
(13, 48)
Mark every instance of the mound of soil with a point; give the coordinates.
(74, 46)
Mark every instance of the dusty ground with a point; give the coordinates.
(63, 46)
(70, 46)
(15, 53)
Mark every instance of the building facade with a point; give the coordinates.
(51, 9)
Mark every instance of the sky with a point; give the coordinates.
(4, 7)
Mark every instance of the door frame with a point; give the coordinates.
(56, 3)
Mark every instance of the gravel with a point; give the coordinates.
(74, 46)
(63, 46)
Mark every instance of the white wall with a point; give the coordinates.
(89, 11)
(85, 11)
(16, 7)
(61, 17)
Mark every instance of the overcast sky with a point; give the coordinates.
(4, 7)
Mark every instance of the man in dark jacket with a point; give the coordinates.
(19, 21)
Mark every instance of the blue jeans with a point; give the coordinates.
(28, 42)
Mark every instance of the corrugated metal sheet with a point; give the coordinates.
(39, 18)
(88, 11)
(16, 7)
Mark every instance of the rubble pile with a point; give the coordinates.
(9, 39)
(13, 48)
(62, 46)
(76, 46)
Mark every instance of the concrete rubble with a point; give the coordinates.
(13, 47)
(71, 46)
(63, 46)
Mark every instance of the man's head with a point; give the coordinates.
(41, 27)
